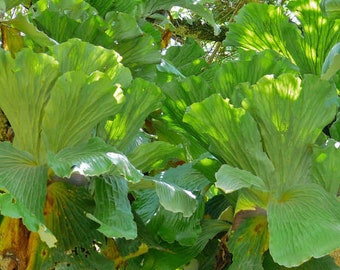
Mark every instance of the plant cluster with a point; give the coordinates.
(132, 154)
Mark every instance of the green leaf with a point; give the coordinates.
(141, 99)
(88, 99)
(332, 63)
(24, 180)
(26, 80)
(324, 263)
(104, 6)
(176, 200)
(230, 179)
(22, 23)
(174, 226)
(264, 33)
(113, 210)
(233, 73)
(65, 215)
(300, 217)
(94, 158)
(78, 55)
(62, 27)
(139, 52)
(292, 125)
(305, 41)
(155, 156)
(232, 135)
(330, 8)
(325, 166)
(187, 59)
(179, 255)
(125, 26)
(182, 181)
(249, 241)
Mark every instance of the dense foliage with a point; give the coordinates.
(147, 134)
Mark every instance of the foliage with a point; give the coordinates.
(131, 155)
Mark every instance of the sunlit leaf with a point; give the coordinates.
(305, 38)
(141, 99)
(232, 73)
(113, 210)
(282, 108)
(298, 219)
(232, 135)
(78, 55)
(26, 80)
(61, 27)
(88, 99)
(94, 158)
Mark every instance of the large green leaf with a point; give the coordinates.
(77, 103)
(25, 181)
(78, 55)
(282, 108)
(249, 241)
(235, 72)
(26, 80)
(232, 135)
(141, 99)
(306, 40)
(113, 210)
(94, 158)
(65, 214)
(298, 219)
(325, 170)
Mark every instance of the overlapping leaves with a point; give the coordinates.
(285, 130)
(305, 36)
